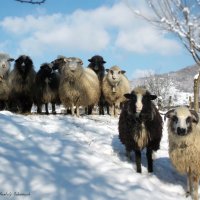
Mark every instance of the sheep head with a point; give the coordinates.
(45, 71)
(114, 75)
(181, 120)
(70, 64)
(139, 101)
(4, 64)
(23, 64)
(96, 63)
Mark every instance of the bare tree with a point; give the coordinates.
(180, 17)
(159, 86)
(32, 1)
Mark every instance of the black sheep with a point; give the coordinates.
(97, 65)
(140, 126)
(46, 88)
(21, 83)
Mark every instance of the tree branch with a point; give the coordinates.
(179, 17)
(31, 1)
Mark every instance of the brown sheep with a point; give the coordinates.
(114, 86)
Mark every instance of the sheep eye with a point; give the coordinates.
(175, 119)
(119, 72)
(188, 120)
(145, 98)
(111, 71)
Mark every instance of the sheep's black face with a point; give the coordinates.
(181, 120)
(96, 63)
(23, 64)
(140, 103)
(46, 70)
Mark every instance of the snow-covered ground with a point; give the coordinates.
(60, 157)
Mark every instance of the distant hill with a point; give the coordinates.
(182, 79)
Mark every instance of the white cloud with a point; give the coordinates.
(88, 30)
(145, 39)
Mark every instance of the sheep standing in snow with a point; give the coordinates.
(184, 145)
(97, 65)
(140, 126)
(114, 86)
(21, 83)
(78, 86)
(46, 88)
(4, 72)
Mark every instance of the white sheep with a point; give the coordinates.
(115, 85)
(184, 145)
(78, 86)
(4, 72)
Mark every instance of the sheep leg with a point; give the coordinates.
(112, 110)
(107, 108)
(46, 108)
(195, 185)
(128, 155)
(189, 184)
(149, 160)
(72, 109)
(138, 161)
(53, 108)
(90, 108)
(101, 105)
(116, 109)
(39, 109)
(77, 111)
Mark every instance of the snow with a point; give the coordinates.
(196, 76)
(60, 157)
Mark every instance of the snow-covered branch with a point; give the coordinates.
(180, 17)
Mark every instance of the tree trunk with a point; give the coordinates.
(196, 93)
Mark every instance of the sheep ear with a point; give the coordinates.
(128, 96)
(153, 97)
(169, 114)
(65, 60)
(123, 71)
(51, 65)
(90, 60)
(195, 116)
(10, 59)
(107, 70)
(104, 62)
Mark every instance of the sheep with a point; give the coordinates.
(78, 86)
(140, 126)
(5, 61)
(184, 145)
(114, 86)
(21, 83)
(46, 88)
(97, 65)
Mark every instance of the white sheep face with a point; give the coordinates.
(4, 67)
(114, 75)
(74, 63)
(181, 120)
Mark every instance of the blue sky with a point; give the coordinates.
(84, 28)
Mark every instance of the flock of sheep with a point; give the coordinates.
(65, 81)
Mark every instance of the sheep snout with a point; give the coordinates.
(181, 131)
(139, 104)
